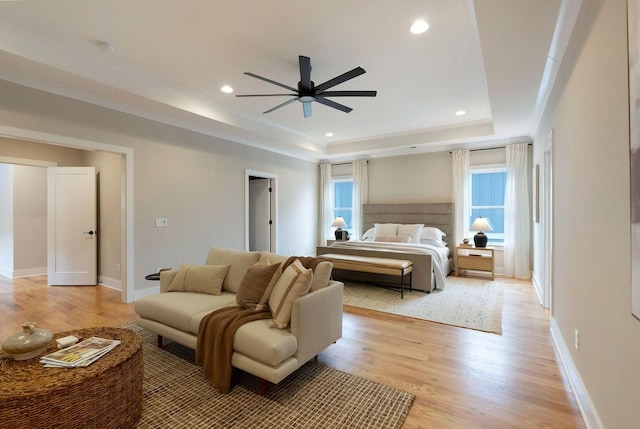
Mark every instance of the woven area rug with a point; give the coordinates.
(177, 395)
(464, 302)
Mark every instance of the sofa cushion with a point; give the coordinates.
(261, 342)
(254, 284)
(199, 278)
(240, 262)
(321, 275)
(295, 281)
(177, 309)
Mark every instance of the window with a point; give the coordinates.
(487, 200)
(343, 201)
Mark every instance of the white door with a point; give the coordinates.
(72, 230)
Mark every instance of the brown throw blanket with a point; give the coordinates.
(215, 342)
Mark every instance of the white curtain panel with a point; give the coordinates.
(325, 215)
(460, 194)
(517, 216)
(360, 195)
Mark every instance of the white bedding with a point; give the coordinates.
(439, 255)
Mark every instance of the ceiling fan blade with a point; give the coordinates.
(339, 79)
(306, 109)
(305, 72)
(266, 95)
(281, 105)
(334, 104)
(271, 81)
(348, 94)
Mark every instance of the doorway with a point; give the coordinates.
(260, 211)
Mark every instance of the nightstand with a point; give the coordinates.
(475, 258)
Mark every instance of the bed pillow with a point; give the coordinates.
(295, 281)
(393, 238)
(369, 234)
(435, 243)
(386, 229)
(412, 231)
(432, 233)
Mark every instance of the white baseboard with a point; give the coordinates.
(587, 409)
(146, 292)
(28, 272)
(110, 283)
(537, 285)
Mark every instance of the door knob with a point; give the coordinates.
(89, 232)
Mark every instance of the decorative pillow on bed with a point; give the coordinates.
(412, 231)
(393, 238)
(435, 243)
(432, 233)
(387, 229)
(295, 281)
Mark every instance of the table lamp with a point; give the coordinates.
(339, 222)
(481, 224)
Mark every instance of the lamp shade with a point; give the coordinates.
(481, 224)
(339, 222)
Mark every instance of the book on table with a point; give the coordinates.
(81, 354)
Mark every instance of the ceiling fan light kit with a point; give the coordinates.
(307, 92)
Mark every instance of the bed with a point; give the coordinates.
(431, 264)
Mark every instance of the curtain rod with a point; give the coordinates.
(489, 148)
(345, 163)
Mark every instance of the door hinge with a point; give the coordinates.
(270, 189)
(270, 222)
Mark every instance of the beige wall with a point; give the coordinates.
(193, 180)
(591, 241)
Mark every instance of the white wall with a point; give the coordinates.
(193, 180)
(29, 220)
(591, 218)
(6, 220)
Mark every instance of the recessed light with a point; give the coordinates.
(329, 134)
(419, 26)
(461, 112)
(226, 89)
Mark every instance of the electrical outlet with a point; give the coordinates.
(576, 339)
(161, 222)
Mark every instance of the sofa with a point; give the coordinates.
(259, 348)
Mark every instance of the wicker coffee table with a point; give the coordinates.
(106, 394)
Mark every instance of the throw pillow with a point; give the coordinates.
(254, 284)
(412, 231)
(177, 284)
(295, 281)
(393, 238)
(199, 279)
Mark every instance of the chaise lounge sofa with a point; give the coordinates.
(259, 348)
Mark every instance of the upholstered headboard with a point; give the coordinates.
(439, 215)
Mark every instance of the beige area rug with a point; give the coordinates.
(465, 302)
(177, 395)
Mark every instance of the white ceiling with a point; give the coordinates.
(171, 57)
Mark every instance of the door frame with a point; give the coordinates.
(274, 200)
(547, 227)
(127, 211)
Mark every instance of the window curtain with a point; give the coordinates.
(517, 220)
(360, 195)
(460, 194)
(325, 212)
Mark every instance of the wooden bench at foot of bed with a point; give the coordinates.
(371, 265)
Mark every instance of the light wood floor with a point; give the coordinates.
(461, 378)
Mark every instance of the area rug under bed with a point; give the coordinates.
(464, 302)
(177, 395)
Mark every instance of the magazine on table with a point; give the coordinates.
(81, 354)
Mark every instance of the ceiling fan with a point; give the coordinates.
(308, 92)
